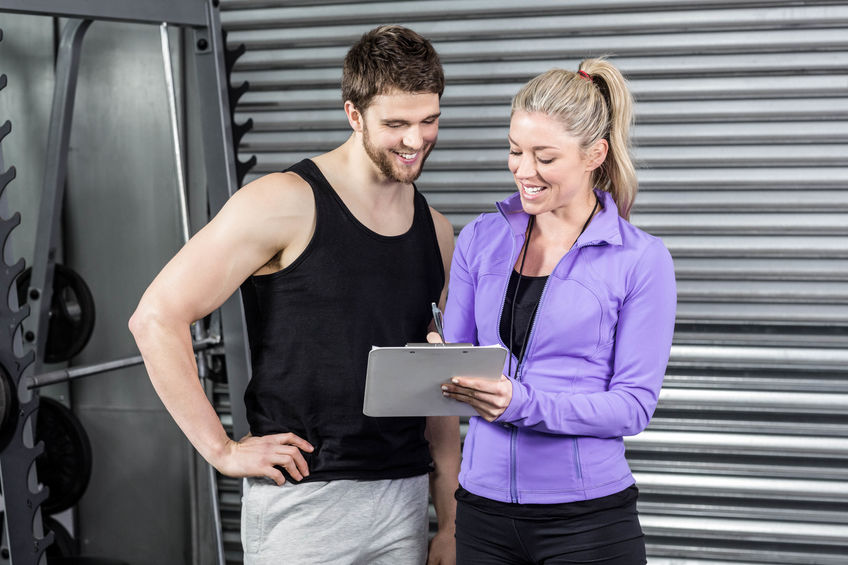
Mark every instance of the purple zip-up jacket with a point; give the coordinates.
(595, 359)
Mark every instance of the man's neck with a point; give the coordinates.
(384, 206)
(350, 170)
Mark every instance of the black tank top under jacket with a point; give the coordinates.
(529, 293)
(312, 324)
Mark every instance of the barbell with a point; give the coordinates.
(71, 373)
(7, 393)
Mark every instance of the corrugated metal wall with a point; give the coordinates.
(742, 142)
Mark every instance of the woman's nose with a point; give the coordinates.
(526, 167)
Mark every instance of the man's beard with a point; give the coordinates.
(384, 160)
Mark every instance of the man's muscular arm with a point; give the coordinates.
(443, 435)
(272, 215)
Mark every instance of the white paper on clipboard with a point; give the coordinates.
(406, 381)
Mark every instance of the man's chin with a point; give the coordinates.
(406, 174)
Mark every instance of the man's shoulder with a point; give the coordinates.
(275, 191)
(285, 184)
(442, 224)
(279, 205)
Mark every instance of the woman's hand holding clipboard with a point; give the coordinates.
(418, 379)
(489, 397)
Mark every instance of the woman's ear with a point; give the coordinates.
(354, 116)
(597, 154)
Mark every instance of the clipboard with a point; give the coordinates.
(406, 381)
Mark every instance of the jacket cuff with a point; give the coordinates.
(519, 397)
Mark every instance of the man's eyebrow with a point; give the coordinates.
(407, 122)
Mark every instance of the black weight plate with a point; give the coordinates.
(7, 408)
(71, 313)
(5, 398)
(63, 544)
(65, 465)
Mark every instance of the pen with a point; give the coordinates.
(437, 319)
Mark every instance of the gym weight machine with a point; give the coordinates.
(21, 375)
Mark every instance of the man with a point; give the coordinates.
(340, 253)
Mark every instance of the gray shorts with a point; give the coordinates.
(335, 522)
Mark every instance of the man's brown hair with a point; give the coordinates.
(389, 58)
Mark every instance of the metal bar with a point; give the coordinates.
(216, 515)
(749, 530)
(55, 170)
(760, 357)
(726, 444)
(220, 164)
(175, 130)
(754, 400)
(182, 12)
(219, 159)
(741, 487)
(197, 327)
(71, 373)
(182, 192)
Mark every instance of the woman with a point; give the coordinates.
(585, 303)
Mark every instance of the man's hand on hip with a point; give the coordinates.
(259, 456)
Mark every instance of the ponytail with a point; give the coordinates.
(617, 174)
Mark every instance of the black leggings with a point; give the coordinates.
(610, 537)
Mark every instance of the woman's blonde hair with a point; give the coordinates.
(591, 104)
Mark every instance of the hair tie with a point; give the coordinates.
(585, 75)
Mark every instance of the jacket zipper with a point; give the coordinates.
(518, 372)
(513, 431)
(513, 479)
(513, 436)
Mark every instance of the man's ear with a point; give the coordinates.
(354, 116)
(597, 154)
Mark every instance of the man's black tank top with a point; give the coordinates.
(312, 324)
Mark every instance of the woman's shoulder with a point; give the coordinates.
(637, 238)
(640, 252)
(647, 255)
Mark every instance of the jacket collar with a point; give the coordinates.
(604, 227)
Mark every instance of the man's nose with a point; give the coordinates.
(412, 138)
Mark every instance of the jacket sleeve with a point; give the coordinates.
(642, 345)
(460, 323)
